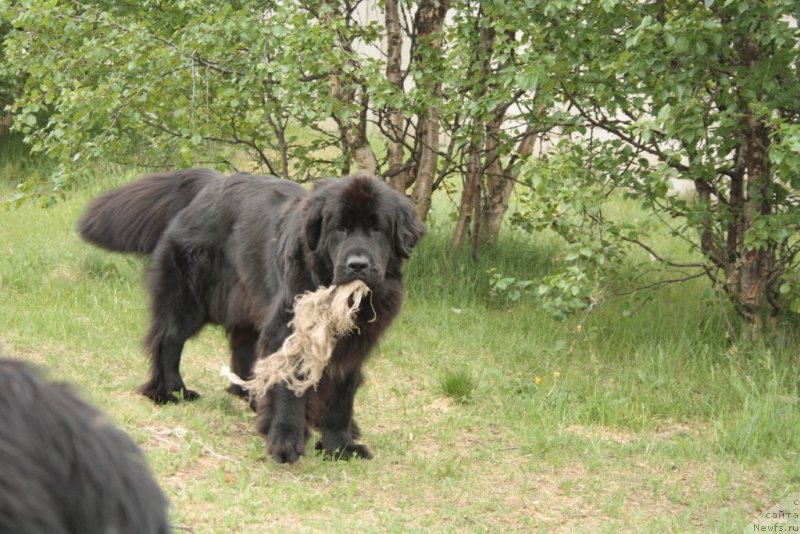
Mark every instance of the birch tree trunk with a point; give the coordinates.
(499, 180)
(394, 59)
(429, 22)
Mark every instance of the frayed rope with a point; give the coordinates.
(320, 319)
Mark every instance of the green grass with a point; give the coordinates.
(644, 421)
(458, 384)
(16, 165)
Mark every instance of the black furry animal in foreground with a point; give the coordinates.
(236, 252)
(64, 468)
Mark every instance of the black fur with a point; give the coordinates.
(64, 468)
(134, 229)
(237, 254)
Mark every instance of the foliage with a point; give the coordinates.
(166, 84)
(572, 104)
(155, 84)
(8, 83)
(650, 92)
(507, 287)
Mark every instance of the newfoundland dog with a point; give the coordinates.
(65, 468)
(236, 252)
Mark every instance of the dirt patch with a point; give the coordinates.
(37, 357)
(665, 431)
(581, 497)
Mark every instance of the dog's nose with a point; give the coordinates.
(357, 263)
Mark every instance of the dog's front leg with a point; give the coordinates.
(339, 430)
(281, 413)
(282, 422)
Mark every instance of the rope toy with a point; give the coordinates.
(320, 319)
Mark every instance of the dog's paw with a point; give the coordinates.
(286, 453)
(345, 452)
(160, 396)
(187, 394)
(286, 444)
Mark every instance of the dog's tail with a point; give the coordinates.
(132, 217)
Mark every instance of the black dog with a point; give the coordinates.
(64, 468)
(235, 252)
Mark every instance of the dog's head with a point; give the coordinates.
(359, 228)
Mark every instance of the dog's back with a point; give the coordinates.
(132, 218)
(65, 468)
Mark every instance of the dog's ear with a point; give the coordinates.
(312, 223)
(408, 230)
(313, 213)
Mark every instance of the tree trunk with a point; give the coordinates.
(429, 23)
(394, 60)
(428, 158)
(756, 268)
(469, 211)
(471, 194)
(500, 180)
(357, 140)
(498, 188)
(5, 123)
(750, 270)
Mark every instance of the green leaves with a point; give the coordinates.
(172, 84)
(656, 96)
(507, 287)
(624, 96)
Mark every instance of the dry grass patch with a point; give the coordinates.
(665, 431)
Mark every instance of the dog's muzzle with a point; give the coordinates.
(358, 267)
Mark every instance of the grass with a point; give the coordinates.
(458, 384)
(644, 421)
